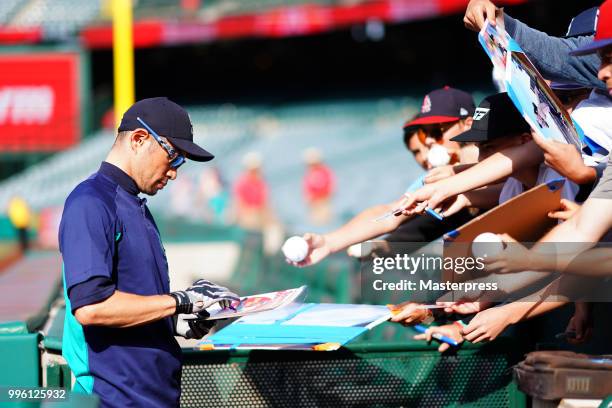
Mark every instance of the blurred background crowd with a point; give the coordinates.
(301, 101)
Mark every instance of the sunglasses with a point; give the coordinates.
(175, 158)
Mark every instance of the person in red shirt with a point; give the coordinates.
(251, 194)
(318, 187)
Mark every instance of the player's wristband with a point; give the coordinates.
(183, 303)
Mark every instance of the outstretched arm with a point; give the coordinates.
(494, 168)
(362, 227)
(489, 323)
(548, 54)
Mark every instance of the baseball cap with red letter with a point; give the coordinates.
(443, 105)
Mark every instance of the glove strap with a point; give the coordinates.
(183, 304)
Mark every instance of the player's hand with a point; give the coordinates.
(192, 326)
(449, 330)
(567, 211)
(317, 250)
(409, 313)
(565, 159)
(201, 295)
(487, 325)
(439, 173)
(477, 12)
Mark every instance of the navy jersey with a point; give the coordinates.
(109, 241)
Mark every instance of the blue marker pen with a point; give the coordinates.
(422, 329)
(434, 214)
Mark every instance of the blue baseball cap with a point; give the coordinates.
(584, 23)
(167, 119)
(603, 32)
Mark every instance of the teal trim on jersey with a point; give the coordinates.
(74, 347)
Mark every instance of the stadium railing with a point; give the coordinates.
(409, 373)
(365, 373)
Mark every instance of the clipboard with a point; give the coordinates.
(309, 326)
(524, 217)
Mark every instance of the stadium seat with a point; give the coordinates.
(7, 9)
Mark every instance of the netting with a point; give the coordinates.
(391, 379)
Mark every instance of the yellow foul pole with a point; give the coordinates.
(123, 57)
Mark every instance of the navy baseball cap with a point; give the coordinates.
(584, 23)
(167, 119)
(603, 32)
(443, 105)
(495, 117)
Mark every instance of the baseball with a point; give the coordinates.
(438, 156)
(295, 249)
(354, 251)
(487, 244)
